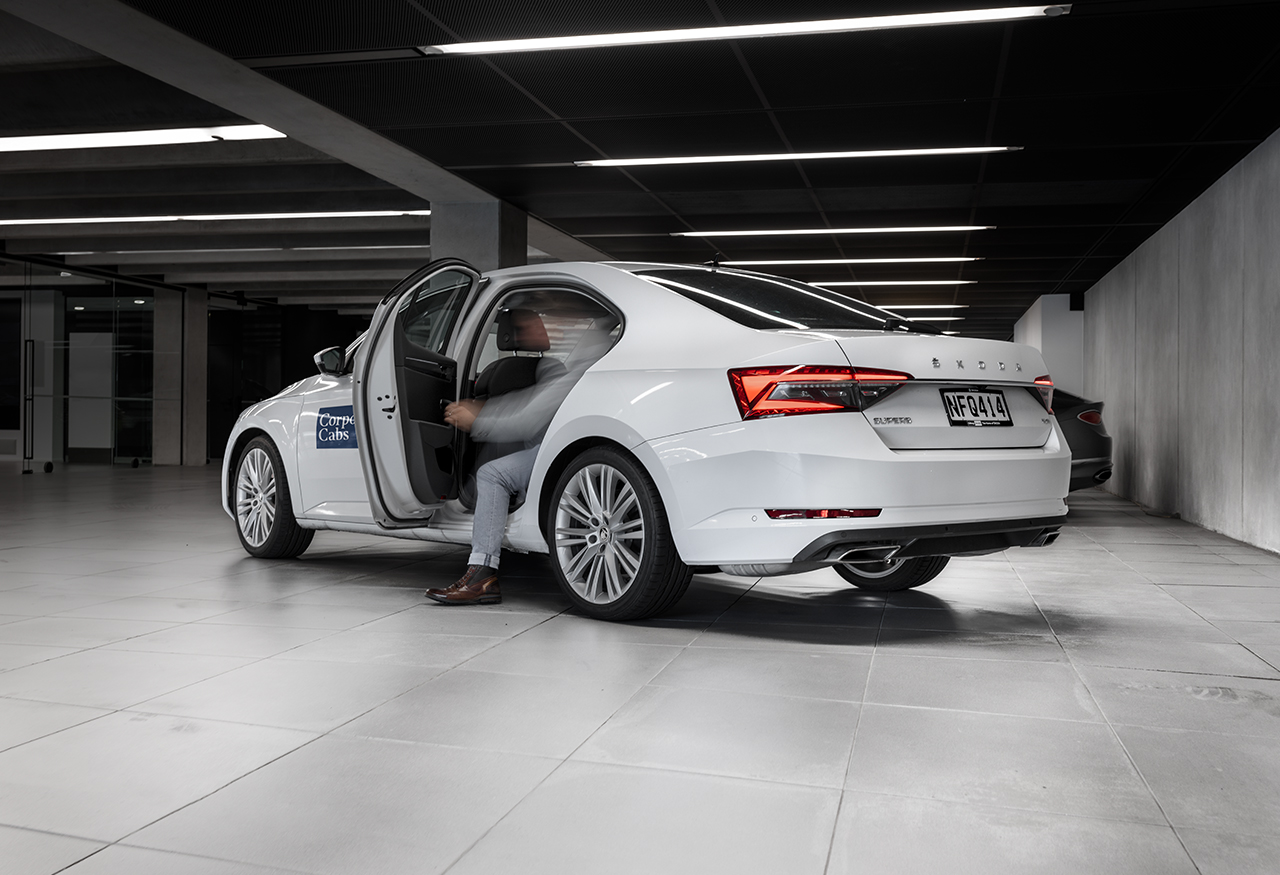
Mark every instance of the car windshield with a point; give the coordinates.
(758, 301)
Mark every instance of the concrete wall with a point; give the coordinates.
(1181, 345)
(1051, 326)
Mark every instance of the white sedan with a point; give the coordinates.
(737, 421)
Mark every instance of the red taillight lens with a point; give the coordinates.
(787, 390)
(1092, 417)
(831, 514)
(1044, 385)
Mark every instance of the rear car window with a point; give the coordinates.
(767, 302)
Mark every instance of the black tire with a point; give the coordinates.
(894, 576)
(612, 550)
(262, 507)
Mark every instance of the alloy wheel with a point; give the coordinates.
(599, 533)
(256, 497)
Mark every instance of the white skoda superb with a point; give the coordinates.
(737, 421)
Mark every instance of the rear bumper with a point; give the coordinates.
(942, 540)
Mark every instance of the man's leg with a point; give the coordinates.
(496, 483)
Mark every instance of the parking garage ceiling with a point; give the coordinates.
(1121, 112)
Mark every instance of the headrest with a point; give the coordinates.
(526, 341)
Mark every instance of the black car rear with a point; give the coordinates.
(1081, 423)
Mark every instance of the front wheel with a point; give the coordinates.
(894, 575)
(611, 543)
(264, 513)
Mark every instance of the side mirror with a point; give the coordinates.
(331, 361)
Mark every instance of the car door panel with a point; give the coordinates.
(403, 378)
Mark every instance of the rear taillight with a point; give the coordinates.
(790, 390)
(1044, 385)
(1092, 417)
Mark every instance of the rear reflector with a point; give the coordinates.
(788, 390)
(837, 513)
(1092, 417)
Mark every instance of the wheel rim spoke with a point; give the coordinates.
(255, 497)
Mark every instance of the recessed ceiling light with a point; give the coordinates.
(785, 28)
(795, 156)
(899, 283)
(792, 231)
(111, 220)
(77, 308)
(923, 306)
(115, 139)
(783, 261)
(139, 301)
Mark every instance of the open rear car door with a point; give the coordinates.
(403, 379)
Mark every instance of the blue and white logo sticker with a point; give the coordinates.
(336, 428)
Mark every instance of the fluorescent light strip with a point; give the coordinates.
(796, 231)
(924, 306)
(935, 318)
(231, 217)
(115, 139)
(784, 261)
(899, 283)
(791, 28)
(795, 156)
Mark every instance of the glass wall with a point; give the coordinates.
(109, 344)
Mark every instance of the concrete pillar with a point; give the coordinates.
(46, 322)
(179, 419)
(1051, 326)
(485, 235)
(195, 379)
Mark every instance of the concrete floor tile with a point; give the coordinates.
(200, 638)
(1161, 655)
(877, 833)
(394, 648)
(41, 602)
(485, 621)
(125, 860)
(344, 805)
(601, 660)
(1250, 631)
(108, 777)
(17, 655)
(1024, 618)
(1055, 766)
(296, 694)
(532, 715)
(764, 635)
(657, 822)
(358, 595)
(299, 616)
(1174, 700)
(157, 609)
(817, 675)
(1028, 689)
(1210, 781)
(22, 721)
(26, 852)
(1025, 647)
(773, 738)
(111, 678)
(1225, 853)
(1117, 625)
(75, 632)
(568, 627)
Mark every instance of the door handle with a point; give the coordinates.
(427, 366)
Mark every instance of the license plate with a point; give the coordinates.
(976, 408)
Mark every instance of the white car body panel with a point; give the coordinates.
(663, 394)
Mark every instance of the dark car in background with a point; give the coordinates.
(1081, 422)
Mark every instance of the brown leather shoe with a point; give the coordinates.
(479, 586)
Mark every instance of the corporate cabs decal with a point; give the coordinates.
(336, 428)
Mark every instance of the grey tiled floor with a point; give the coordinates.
(170, 705)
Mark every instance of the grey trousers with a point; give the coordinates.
(496, 483)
